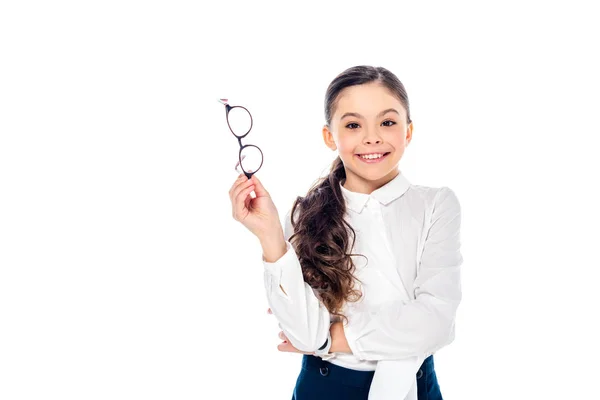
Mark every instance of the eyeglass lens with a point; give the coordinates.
(251, 158)
(239, 120)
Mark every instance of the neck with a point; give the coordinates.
(358, 184)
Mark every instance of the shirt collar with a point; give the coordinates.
(385, 194)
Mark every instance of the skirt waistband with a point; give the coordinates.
(346, 376)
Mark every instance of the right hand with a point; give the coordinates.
(259, 215)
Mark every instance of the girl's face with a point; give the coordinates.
(368, 120)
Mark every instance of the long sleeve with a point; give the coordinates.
(302, 317)
(403, 329)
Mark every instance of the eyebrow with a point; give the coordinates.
(357, 115)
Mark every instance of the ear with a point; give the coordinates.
(409, 131)
(328, 138)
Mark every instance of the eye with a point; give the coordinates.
(352, 124)
(393, 123)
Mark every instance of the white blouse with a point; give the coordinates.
(411, 285)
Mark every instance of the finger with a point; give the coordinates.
(287, 347)
(237, 204)
(260, 189)
(241, 178)
(240, 185)
(240, 200)
(251, 196)
(283, 337)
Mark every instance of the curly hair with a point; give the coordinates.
(321, 235)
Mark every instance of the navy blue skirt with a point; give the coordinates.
(319, 379)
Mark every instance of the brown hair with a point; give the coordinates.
(321, 235)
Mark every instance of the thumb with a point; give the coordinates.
(259, 189)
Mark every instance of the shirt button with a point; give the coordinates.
(419, 374)
(324, 371)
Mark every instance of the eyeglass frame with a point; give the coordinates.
(239, 138)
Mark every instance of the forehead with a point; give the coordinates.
(367, 99)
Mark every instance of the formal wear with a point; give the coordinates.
(410, 281)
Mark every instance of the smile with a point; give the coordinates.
(372, 158)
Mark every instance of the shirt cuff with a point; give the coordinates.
(327, 356)
(274, 268)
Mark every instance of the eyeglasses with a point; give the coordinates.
(239, 121)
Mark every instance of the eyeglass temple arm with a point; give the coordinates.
(225, 102)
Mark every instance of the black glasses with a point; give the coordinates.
(239, 121)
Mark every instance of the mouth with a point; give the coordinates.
(373, 159)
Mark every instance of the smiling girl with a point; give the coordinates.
(364, 276)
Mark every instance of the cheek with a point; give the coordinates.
(347, 146)
(398, 140)
(347, 149)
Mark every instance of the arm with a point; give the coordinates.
(302, 317)
(422, 326)
(339, 343)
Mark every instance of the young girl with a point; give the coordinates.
(364, 279)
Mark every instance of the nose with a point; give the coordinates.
(370, 140)
(372, 136)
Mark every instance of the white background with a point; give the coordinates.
(123, 273)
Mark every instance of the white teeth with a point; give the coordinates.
(372, 156)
